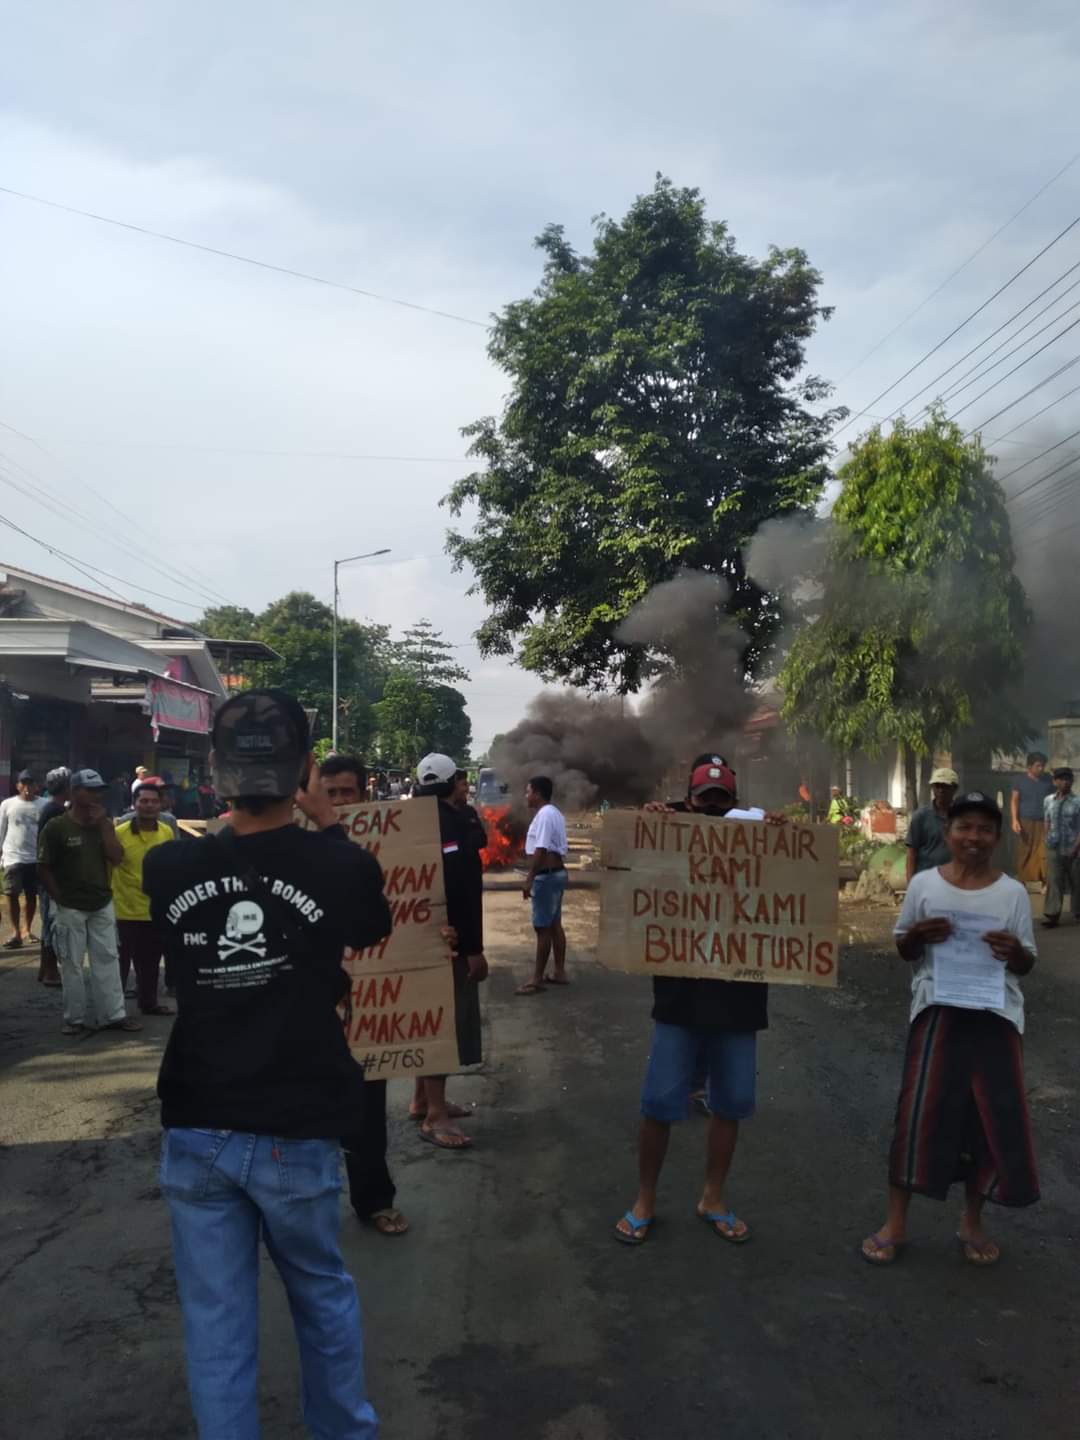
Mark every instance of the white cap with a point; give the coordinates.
(436, 770)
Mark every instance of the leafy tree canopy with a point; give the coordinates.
(423, 652)
(300, 628)
(657, 415)
(921, 623)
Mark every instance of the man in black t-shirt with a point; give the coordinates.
(463, 879)
(257, 1082)
(702, 1027)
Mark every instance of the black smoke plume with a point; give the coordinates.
(597, 748)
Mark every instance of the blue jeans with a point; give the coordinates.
(224, 1189)
(548, 889)
(679, 1056)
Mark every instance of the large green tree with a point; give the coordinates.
(412, 720)
(920, 620)
(404, 720)
(658, 413)
(299, 628)
(424, 653)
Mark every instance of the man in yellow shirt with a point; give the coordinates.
(139, 944)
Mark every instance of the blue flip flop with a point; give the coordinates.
(639, 1229)
(713, 1218)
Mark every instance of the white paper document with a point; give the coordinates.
(965, 971)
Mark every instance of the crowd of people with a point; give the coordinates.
(259, 1091)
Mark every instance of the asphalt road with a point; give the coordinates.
(509, 1310)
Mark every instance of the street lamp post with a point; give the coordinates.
(334, 703)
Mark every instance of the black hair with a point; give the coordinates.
(256, 804)
(1063, 773)
(344, 765)
(460, 775)
(543, 786)
(1037, 755)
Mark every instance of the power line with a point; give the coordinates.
(977, 372)
(1035, 458)
(275, 454)
(64, 510)
(998, 438)
(241, 259)
(1041, 480)
(986, 340)
(51, 501)
(1021, 398)
(1008, 373)
(950, 278)
(60, 555)
(956, 329)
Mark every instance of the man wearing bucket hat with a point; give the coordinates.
(926, 845)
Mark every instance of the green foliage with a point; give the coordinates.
(403, 719)
(229, 622)
(412, 721)
(656, 418)
(921, 621)
(300, 628)
(424, 653)
(855, 847)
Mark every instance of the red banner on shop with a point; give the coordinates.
(177, 707)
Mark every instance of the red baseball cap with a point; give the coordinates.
(711, 776)
(149, 782)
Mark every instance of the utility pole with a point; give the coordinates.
(334, 686)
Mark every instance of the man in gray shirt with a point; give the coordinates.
(926, 847)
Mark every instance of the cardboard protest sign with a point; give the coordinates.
(402, 998)
(691, 897)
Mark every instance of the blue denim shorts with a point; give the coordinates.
(727, 1058)
(548, 889)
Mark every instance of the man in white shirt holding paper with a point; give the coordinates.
(545, 885)
(962, 1112)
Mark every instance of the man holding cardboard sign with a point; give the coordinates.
(713, 913)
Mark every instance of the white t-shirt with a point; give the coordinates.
(18, 831)
(1006, 907)
(547, 831)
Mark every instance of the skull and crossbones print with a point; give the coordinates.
(243, 932)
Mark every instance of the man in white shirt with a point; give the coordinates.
(19, 816)
(545, 884)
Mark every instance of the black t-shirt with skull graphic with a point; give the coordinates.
(257, 1044)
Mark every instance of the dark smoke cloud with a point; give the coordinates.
(604, 747)
(1046, 535)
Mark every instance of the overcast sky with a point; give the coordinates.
(416, 151)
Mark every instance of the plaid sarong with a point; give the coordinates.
(962, 1111)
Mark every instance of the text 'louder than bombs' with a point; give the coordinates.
(692, 897)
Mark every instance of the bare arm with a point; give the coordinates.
(114, 851)
(3, 825)
(1014, 810)
(910, 867)
(48, 882)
